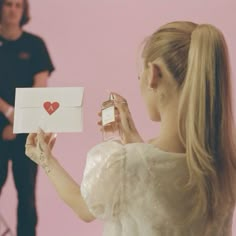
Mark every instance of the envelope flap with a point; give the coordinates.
(36, 97)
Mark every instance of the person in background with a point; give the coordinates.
(24, 62)
(181, 182)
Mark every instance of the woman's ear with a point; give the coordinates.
(155, 75)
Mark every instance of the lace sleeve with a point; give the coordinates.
(103, 177)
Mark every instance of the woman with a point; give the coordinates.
(181, 182)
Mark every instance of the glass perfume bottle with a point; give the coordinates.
(110, 128)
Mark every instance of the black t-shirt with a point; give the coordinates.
(20, 61)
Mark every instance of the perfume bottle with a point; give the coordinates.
(110, 128)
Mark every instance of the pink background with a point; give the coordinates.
(94, 44)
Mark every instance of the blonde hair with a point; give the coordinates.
(197, 58)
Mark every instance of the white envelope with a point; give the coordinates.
(52, 109)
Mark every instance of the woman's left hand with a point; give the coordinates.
(127, 128)
(129, 133)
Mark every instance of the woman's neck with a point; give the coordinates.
(168, 138)
(169, 144)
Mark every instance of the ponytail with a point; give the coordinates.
(206, 119)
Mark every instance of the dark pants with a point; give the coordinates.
(24, 173)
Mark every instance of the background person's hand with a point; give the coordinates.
(7, 133)
(38, 147)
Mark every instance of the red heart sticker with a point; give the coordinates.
(51, 107)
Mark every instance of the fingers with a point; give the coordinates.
(48, 137)
(43, 140)
(39, 145)
(31, 139)
(30, 145)
(124, 116)
(122, 107)
(100, 115)
(52, 141)
(118, 97)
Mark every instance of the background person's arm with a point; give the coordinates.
(40, 80)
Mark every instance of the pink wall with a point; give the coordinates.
(94, 44)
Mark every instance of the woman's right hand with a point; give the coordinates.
(38, 147)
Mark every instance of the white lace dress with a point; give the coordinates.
(137, 190)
